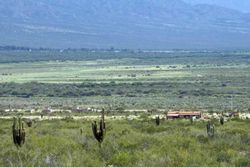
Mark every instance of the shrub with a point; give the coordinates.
(123, 159)
(223, 157)
(243, 162)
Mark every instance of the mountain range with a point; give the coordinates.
(144, 24)
(240, 5)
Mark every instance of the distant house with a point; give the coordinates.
(231, 114)
(175, 115)
(79, 110)
(47, 110)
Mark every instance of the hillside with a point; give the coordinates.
(148, 24)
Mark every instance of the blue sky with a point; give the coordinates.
(241, 5)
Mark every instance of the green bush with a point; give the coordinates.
(123, 159)
(202, 139)
(243, 162)
(223, 157)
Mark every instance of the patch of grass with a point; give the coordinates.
(136, 143)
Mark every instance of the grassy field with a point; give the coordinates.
(128, 143)
(210, 81)
(118, 70)
(92, 71)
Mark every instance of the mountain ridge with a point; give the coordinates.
(132, 24)
(242, 5)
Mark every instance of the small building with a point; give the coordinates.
(175, 115)
(231, 114)
(79, 110)
(47, 110)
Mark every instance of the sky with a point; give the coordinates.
(241, 5)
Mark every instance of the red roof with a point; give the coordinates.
(189, 113)
(175, 114)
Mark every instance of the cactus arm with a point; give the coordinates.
(101, 129)
(19, 123)
(103, 121)
(94, 129)
(101, 125)
(23, 133)
(14, 132)
(23, 137)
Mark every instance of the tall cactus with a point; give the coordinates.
(191, 120)
(29, 122)
(99, 134)
(18, 132)
(157, 120)
(222, 120)
(210, 129)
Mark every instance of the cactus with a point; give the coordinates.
(157, 120)
(166, 113)
(191, 120)
(99, 134)
(29, 122)
(210, 129)
(222, 120)
(18, 132)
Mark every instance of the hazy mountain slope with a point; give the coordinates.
(121, 23)
(240, 5)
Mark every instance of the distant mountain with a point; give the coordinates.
(240, 5)
(147, 24)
